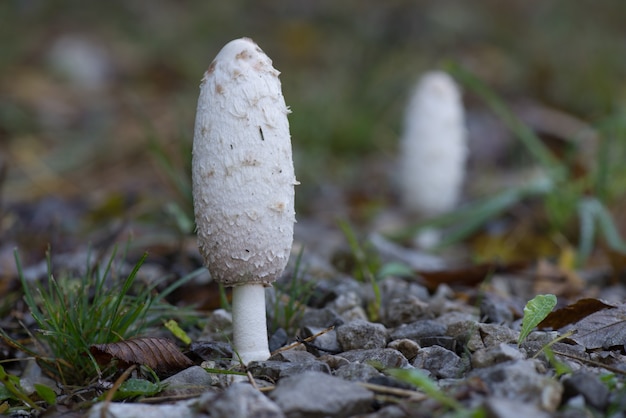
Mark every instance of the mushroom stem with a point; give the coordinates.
(249, 323)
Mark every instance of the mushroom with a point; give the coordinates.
(243, 185)
(433, 151)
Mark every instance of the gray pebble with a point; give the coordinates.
(361, 334)
(405, 309)
(495, 309)
(333, 361)
(418, 329)
(500, 353)
(441, 363)
(520, 380)
(293, 356)
(314, 394)
(191, 381)
(321, 318)
(357, 372)
(488, 335)
(325, 343)
(589, 386)
(240, 400)
(275, 370)
(140, 410)
(407, 347)
(510, 408)
(383, 357)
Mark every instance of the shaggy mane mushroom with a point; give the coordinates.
(243, 185)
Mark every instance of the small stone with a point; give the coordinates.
(509, 408)
(495, 309)
(211, 350)
(418, 329)
(460, 329)
(543, 337)
(278, 339)
(486, 357)
(293, 356)
(275, 370)
(405, 309)
(589, 386)
(488, 335)
(357, 372)
(397, 288)
(349, 305)
(334, 362)
(361, 334)
(139, 410)
(240, 400)
(314, 394)
(324, 343)
(385, 357)
(321, 318)
(191, 381)
(389, 411)
(408, 348)
(520, 380)
(444, 341)
(441, 363)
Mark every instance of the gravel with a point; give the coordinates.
(338, 361)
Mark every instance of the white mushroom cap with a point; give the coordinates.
(242, 169)
(433, 147)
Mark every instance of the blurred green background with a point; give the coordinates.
(86, 87)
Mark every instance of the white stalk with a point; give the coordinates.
(249, 323)
(433, 147)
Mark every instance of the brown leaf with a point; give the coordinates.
(160, 354)
(603, 329)
(573, 313)
(468, 276)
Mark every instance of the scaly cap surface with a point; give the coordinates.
(242, 169)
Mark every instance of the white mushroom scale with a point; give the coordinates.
(243, 184)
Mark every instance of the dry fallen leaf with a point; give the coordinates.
(603, 329)
(468, 276)
(573, 313)
(160, 354)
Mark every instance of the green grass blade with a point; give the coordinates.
(418, 379)
(28, 295)
(46, 393)
(531, 141)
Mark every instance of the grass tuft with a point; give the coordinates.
(73, 313)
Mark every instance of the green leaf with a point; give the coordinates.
(137, 387)
(6, 393)
(46, 393)
(394, 269)
(535, 311)
(178, 332)
(12, 384)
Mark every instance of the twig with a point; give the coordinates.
(304, 341)
(116, 386)
(251, 380)
(591, 362)
(418, 396)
